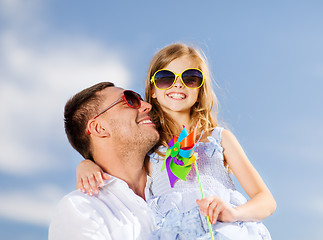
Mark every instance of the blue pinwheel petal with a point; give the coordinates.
(186, 153)
(182, 135)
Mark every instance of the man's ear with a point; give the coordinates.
(95, 127)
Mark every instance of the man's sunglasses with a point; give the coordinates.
(131, 98)
(164, 79)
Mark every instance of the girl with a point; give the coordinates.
(178, 86)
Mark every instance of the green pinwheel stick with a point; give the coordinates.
(179, 158)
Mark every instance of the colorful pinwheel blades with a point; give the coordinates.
(180, 156)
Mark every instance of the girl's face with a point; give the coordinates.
(178, 98)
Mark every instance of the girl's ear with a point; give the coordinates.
(153, 94)
(94, 127)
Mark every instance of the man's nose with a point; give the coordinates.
(145, 106)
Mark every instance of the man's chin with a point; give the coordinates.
(153, 140)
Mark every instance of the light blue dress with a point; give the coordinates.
(177, 214)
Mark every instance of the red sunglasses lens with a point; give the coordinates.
(133, 99)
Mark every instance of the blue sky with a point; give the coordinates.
(266, 57)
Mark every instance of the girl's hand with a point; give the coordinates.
(89, 176)
(216, 209)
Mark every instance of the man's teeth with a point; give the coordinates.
(145, 122)
(177, 95)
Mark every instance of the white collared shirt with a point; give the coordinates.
(115, 213)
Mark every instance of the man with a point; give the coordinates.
(111, 127)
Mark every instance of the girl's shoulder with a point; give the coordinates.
(221, 135)
(227, 139)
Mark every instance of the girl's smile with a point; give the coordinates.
(176, 95)
(178, 99)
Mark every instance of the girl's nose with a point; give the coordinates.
(178, 82)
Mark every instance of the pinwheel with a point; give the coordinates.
(179, 158)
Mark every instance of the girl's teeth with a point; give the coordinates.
(176, 96)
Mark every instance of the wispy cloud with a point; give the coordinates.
(32, 206)
(37, 77)
(315, 204)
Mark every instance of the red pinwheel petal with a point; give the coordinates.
(189, 141)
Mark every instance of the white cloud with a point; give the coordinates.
(315, 205)
(17, 10)
(37, 77)
(35, 207)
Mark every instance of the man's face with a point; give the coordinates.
(129, 128)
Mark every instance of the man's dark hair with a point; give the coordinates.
(78, 111)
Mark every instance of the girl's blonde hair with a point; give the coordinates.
(201, 111)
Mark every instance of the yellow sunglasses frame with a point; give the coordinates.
(152, 80)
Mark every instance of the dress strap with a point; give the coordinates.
(217, 134)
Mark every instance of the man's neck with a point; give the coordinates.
(129, 168)
(138, 183)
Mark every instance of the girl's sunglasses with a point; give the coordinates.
(131, 98)
(164, 79)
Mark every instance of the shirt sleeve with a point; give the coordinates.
(76, 217)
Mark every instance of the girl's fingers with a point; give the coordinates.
(105, 176)
(87, 186)
(213, 212)
(203, 203)
(79, 184)
(98, 176)
(93, 184)
(220, 206)
(212, 207)
(82, 189)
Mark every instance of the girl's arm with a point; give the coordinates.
(261, 204)
(89, 176)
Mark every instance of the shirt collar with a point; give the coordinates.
(114, 179)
